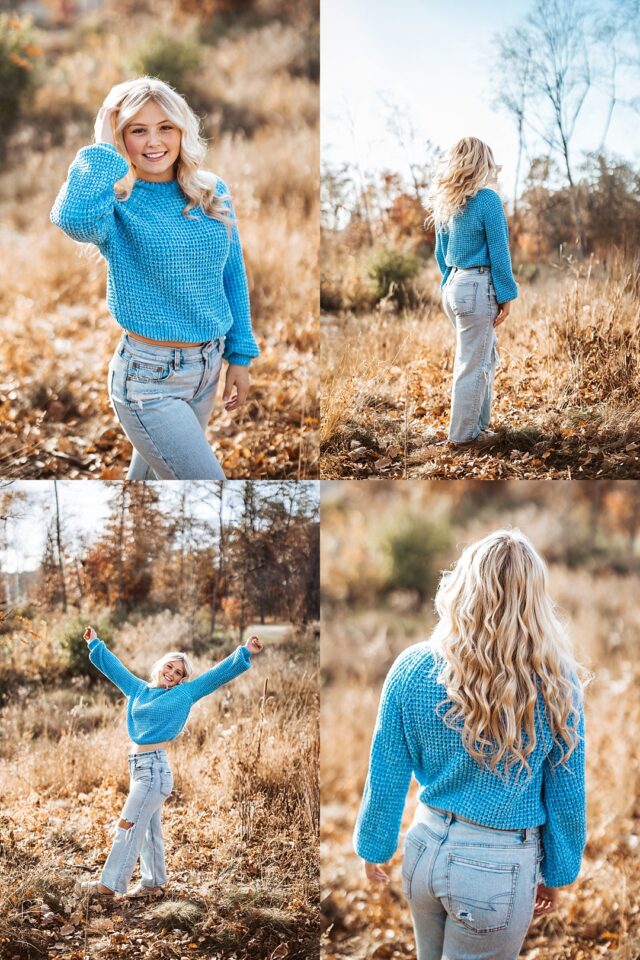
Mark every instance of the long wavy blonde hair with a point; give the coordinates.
(198, 185)
(466, 168)
(503, 645)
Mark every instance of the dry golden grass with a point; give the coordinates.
(240, 826)
(565, 400)
(55, 418)
(597, 915)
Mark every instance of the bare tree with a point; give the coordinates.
(59, 548)
(558, 79)
(513, 90)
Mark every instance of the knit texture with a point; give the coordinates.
(478, 236)
(169, 277)
(411, 738)
(155, 714)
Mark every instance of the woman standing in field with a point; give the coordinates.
(472, 250)
(156, 713)
(176, 281)
(488, 716)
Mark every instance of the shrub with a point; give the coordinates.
(176, 60)
(393, 271)
(18, 53)
(68, 635)
(415, 549)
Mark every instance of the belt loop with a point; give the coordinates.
(176, 358)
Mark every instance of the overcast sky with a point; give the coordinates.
(437, 61)
(84, 507)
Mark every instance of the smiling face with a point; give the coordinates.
(171, 674)
(153, 143)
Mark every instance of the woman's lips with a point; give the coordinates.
(155, 159)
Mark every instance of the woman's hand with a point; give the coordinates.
(89, 634)
(546, 900)
(375, 873)
(239, 377)
(504, 313)
(254, 645)
(103, 130)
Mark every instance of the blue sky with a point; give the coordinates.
(436, 60)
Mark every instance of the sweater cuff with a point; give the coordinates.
(238, 359)
(94, 643)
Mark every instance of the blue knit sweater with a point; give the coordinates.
(155, 714)
(478, 236)
(411, 738)
(169, 277)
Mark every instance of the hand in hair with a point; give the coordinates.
(254, 644)
(375, 872)
(504, 313)
(89, 634)
(237, 377)
(103, 129)
(546, 900)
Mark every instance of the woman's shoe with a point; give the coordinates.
(485, 439)
(92, 887)
(143, 893)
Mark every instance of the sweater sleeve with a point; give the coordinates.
(84, 207)
(223, 672)
(442, 241)
(497, 233)
(564, 798)
(377, 829)
(240, 345)
(107, 662)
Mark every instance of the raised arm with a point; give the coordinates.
(84, 207)
(240, 344)
(108, 663)
(380, 816)
(228, 669)
(497, 233)
(564, 833)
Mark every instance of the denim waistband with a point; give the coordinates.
(482, 269)
(158, 351)
(160, 754)
(437, 818)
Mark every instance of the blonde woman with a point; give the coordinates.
(176, 281)
(156, 713)
(488, 717)
(472, 250)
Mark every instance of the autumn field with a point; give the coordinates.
(565, 396)
(382, 548)
(240, 825)
(249, 70)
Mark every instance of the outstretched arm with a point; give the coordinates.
(108, 663)
(228, 669)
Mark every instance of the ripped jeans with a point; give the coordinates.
(163, 398)
(471, 889)
(151, 782)
(469, 300)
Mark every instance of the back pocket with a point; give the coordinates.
(463, 296)
(480, 894)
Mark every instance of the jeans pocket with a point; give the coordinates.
(166, 782)
(148, 371)
(480, 893)
(463, 296)
(413, 851)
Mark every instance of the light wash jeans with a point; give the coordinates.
(469, 300)
(471, 889)
(151, 782)
(163, 397)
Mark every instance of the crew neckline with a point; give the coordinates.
(157, 184)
